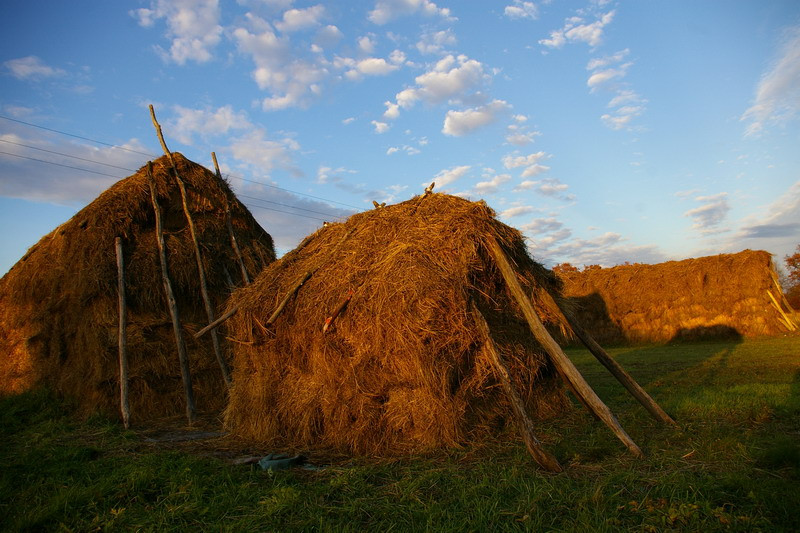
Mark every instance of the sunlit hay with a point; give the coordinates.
(58, 304)
(715, 296)
(403, 368)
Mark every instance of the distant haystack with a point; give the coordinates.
(58, 304)
(716, 296)
(402, 366)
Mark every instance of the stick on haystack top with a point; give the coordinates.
(403, 367)
(58, 304)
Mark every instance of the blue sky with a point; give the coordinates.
(606, 131)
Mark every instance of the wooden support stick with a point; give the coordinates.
(560, 359)
(285, 300)
(228, 223)
(620, 373)
(337, 311)
(788, 321)
(542, 457)
(173, 306)
(124, 405)
(217, 322)
(223, 365)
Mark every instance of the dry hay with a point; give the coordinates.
(58, 304)
(716, 296)
(403, 367)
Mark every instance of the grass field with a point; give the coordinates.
(734, 464)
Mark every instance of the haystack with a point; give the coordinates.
(58, 304)
(716, 296)
(401, 366)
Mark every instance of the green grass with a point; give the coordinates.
(734, 464)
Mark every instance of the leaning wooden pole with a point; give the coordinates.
(542, 457)
(223, 365)
(229, 224)
(124, 405)
(171, 303)
(560, 359)
(620, 373)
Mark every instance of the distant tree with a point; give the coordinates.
(792, 263)
(587, 268)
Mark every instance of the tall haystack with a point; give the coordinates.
(58, 304)
(402, 366)
(715, 296)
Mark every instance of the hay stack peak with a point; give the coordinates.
(58, 304)
(401, 366)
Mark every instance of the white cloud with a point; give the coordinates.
(575, 30)
(605, 61)
(459, 123)
(262, 154)
(778, 93)
(374, 66)
(392, 111)
(366, 44)
(521, 10)
(300, 19)
(491, 186)
(388, 10)
(348, 120)
(708, 217)
(380, 127)
(436, 42)
(448, 176)
(292, 81)
(31, 68)
(626, 96)
(622, 117)
(606, 250)
(604, 76)
(192, 25)
(451, 78)
(206, 122)
(511, 161)
(517, 211)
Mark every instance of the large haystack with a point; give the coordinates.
(402, 367)
(722, 295)
(58, 304)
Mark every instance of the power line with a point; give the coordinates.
(149, 155)
(289, 206)
(61, 165)
(67, 155)
(76, 136)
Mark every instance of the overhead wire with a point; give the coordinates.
(298, 193)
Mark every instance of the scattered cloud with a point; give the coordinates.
(301, 19)
(517, 211)
(521, 10)
(491, 186)
(775, 227)
(192, 25)
(31, 68)
(448, 176)
(460, 123)
(576, 30)
(531, 164)
(387, 10)
(451, 78)
(436, 42)
(708, 217)
(380, 127)
(206, 122)
(778, 94)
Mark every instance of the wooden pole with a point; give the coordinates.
(542, 457)
(223, 365)
(124, 405)
(171, 303)
(620, 373)
(228, 223)
(788, 321)
(217, 322)
(560, 359)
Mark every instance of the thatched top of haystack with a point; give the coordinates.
(78, 256)
(402, 366)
